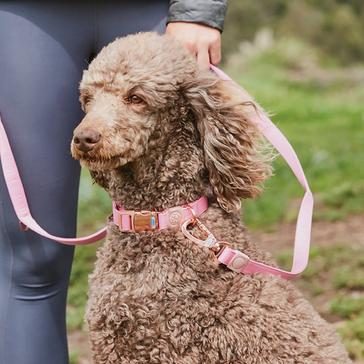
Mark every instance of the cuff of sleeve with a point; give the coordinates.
(210, 13)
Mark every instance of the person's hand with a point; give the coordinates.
(202, 41)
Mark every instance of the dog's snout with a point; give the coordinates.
(86, 139)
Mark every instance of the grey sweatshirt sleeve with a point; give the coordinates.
(208, 12)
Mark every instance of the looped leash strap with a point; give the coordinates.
(19, 200)
(304, 219)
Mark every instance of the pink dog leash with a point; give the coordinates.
(19, 200)
(237, 260)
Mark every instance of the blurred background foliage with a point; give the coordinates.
(334, 26)
(303, 61)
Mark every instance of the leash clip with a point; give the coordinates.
(217, 247)
(210, 240)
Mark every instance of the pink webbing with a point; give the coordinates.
(19, 200)
(304, 220)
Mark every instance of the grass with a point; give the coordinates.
(74, 357)
(325, 124)
(335, 277)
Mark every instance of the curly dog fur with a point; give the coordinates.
(171, 133)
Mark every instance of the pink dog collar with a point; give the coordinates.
(130, 220)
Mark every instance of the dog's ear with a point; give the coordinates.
(232, 142)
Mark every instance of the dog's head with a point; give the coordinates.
(128, 92)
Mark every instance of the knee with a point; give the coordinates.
(36, 267)
(42, 273)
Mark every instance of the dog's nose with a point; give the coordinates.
(86, 139)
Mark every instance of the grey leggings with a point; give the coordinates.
(44, 46)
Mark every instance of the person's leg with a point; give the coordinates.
(43, 48)
(116, 18)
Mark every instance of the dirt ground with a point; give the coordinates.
(323, 233)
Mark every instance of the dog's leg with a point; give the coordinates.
(109, 322)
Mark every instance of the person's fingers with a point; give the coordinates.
(191, 46)
(215, 53)
(203, 57)
(202, 41)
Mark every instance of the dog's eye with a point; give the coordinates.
(134, 99)
(85, 99)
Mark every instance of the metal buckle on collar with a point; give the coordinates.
(144, 221)
(141, 220)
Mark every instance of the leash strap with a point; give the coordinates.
(19, 200)
(240, 262)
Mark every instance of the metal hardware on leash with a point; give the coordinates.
(210, 242)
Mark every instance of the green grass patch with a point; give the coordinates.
(325, 125)
(74, 357)
(348, 307)
(94, 206)
(352, 333)
(335, 276)
(77, 293)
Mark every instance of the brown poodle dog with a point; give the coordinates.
(158, 133)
